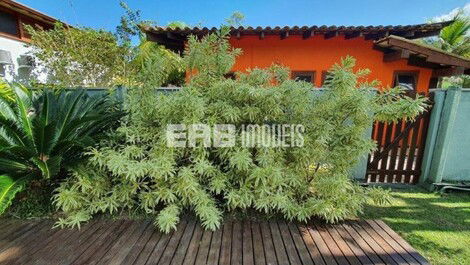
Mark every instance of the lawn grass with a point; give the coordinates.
(437, 226)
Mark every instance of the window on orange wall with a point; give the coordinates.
(324, 75)
(306, 76)
(406, 79)
(230, 75)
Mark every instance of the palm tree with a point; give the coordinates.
(455, 39)
(42, 133)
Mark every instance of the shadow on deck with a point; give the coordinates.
(237, 242)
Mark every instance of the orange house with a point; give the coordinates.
(309, 52)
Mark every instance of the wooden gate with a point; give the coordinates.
(399, 153)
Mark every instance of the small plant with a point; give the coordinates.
(136, 169)
(42, 133)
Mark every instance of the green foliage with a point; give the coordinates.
(236, 19)
(8, 188)
(435, 225)
(78, 57)
(34, 201)
(135, 169)
(85, 57)
(455, 39)
(5, 91)
(177, 24)
(42, 133)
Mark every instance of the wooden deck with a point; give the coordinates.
(138, 242)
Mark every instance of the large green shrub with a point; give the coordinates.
(43, 132)
(136, 170)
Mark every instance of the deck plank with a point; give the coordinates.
(90, 245)
(258, 249)
(291, 250)
(248, 257)
(11, 249)
(173, 243)
(159, 248)
(139, 246)
(335, 251)
(343, 246)
(214, 250)
(402, 242)
(203, 251)
(355, 248)
(372, 243)
(103, 243)
(71, 248)
(300, 245)
(384, 244)
(190, 256)
(183, 246)
(47, 254)
(397, 247)
(312, 247)
(270, 253)
(279, 248)
(148, 248)
(36, 245)
(118, 252)
(362, 244)
(27, 246)
(237, 242)
(226, 247)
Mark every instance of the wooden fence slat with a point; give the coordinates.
(422, 144)
(410, 162)
(394, 151)
(384, 161)
(402, 157)
(399, 154)
(379, 140)
(369, 156)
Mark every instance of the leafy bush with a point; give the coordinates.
(136, 169)
(41, 133)
(75, 57)
(85, 57)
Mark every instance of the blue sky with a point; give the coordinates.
(105, 13)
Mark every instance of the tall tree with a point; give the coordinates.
(455, 39)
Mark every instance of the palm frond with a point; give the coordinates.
(9, 187)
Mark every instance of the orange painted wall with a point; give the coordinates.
(318, 54)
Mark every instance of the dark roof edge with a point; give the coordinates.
(407, 31)
(427, 53)
(28, 11)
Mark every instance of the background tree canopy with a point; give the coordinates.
(85, 57)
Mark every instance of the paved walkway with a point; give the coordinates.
(238, 242)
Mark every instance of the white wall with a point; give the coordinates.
(16, 48)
